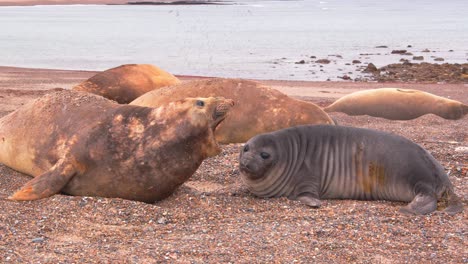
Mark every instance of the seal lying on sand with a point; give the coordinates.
(398, 104)
(259, 109)
(83, 144)
(125, 83)
(309, 163)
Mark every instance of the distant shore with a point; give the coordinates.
(104, 2)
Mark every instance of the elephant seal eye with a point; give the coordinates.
(246, 148)
(264, 155)
(200, 103)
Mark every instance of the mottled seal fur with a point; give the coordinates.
(126, 82)
(310, 163)
(83, 144)
(398, 104)
(259, 109)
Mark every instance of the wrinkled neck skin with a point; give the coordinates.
(185, 126)
(280, 179)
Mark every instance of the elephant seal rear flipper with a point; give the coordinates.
(454, 203)
(47, 184)
(426, 203)
(421, 204)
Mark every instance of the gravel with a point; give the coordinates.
(214, 219)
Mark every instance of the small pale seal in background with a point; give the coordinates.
(259, 109)
(398, 104)
(310, 163)
(126, 82)
(82, 144)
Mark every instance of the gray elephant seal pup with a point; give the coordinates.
(83, 144)
(398, 104)
(310, 163)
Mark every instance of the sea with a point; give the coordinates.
(237, 39)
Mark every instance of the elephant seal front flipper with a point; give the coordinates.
(309, 200)
(307, 190)
(47, 184)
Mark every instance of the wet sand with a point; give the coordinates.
(75, 2)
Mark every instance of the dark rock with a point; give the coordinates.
(399, 51)
(451, 50)
(418, 58)
(407, 54)
(381, 47)
(439, 59)
(371, 68)
(422, 72)
(313, 57)
(323, 61)
(425, 50)
(37, 240)
(356, 61)
(409, 46)
(345, 77)
(300, 62)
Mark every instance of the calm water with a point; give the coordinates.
(250, 39)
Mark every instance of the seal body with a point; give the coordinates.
(398, 104)
(83, 144)
(310, 163)
(259, 109)
(126, 82)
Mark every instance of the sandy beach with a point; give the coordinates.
(214, 219)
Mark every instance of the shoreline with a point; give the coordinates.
(109, 2)
(37, 81)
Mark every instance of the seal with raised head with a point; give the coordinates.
(397, 104)
(310, 163)
(125, 83)
(82, 144)
(259, 109)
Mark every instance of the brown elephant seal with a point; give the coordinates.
(398, 104)
(83, 144)
(259, 109)
(125, 83)
(310, 163)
